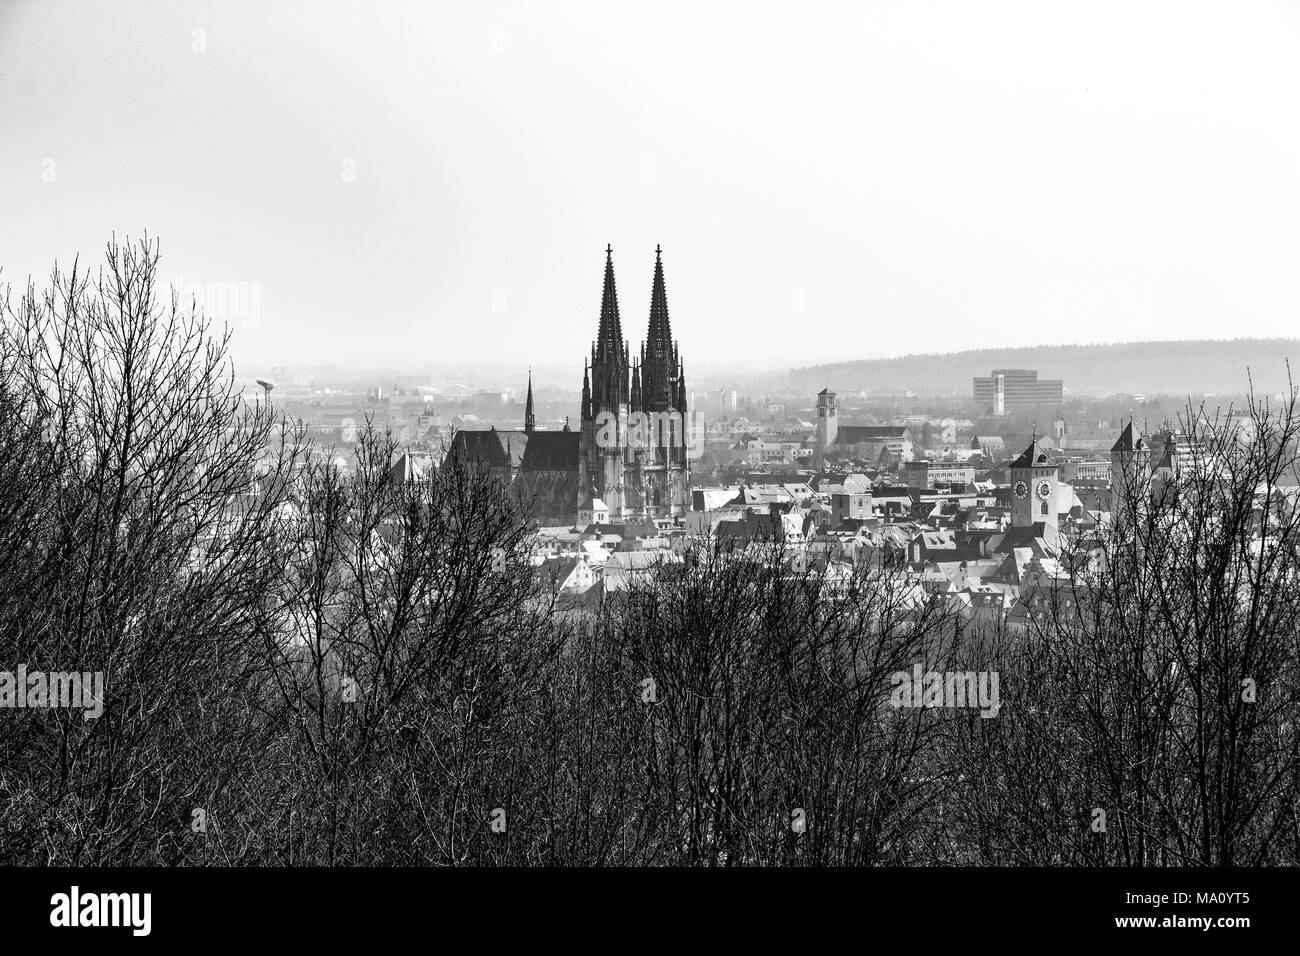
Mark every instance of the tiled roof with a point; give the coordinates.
(1032, 536)
(551, 451)
(484, 447)
(856, 434)
(407, 469)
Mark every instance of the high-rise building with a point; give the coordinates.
(1016, 388)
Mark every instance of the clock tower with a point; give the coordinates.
(1033, 488)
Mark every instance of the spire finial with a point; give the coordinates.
(658, 251)
(609, 251)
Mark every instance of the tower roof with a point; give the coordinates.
(660, 332)
(1127, 441)
(1032, 457)
(610, 335)
(529, 419)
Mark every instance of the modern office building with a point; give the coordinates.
(1016, 388)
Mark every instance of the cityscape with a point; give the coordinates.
(612, 491)
(465, 461)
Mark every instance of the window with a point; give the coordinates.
(1044, 507)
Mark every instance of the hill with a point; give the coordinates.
(1152, 368)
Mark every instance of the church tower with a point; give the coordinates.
(1130, 460)
(530, 420)
(1033, 488)
(603, 453)
(827, 424)
(660, 473)
(633, 451)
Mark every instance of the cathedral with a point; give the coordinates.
(629, 459)
(633, 442)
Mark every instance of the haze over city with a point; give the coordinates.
(854, 182)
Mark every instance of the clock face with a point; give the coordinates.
(1021, 490)
(1044, 490)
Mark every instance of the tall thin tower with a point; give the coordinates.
(605, 404)
(659, 383)
(530, 420)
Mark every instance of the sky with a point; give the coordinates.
(406, 184)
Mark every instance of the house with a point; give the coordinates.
(874, 442)
(592, 511)
(568, 574)
(625, 568)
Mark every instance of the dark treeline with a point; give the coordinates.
(307, 667)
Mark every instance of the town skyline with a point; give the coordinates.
(1265, 361)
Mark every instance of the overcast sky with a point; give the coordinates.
(403, 184)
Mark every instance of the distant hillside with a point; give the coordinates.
(1152, 368)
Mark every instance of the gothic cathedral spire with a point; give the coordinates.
(632, 450)
(530, 420)
(660, 364)
(609, 371)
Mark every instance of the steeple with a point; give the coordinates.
(659, 360)
(610, 336)
(650, 380)
(1127, 444)
(609, 364)
(660, 332)
(530, 420)
(586, 393)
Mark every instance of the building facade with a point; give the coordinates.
(630, 457)
(1033, 488)
(633, 440)
(827, 425)
(1016, 388)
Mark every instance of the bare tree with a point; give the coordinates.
(1154, 690)
(143, 494)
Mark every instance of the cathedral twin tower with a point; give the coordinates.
(633, 447)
